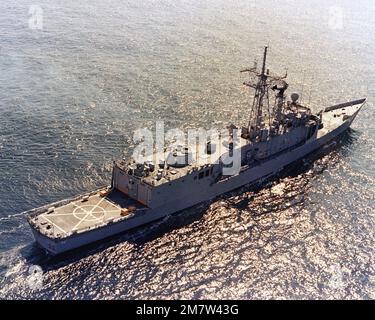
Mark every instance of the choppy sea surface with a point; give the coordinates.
(73, 92)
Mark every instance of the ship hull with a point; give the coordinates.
(253, 175)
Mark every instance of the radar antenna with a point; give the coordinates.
(262, 84)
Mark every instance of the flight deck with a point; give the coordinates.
(86, 213)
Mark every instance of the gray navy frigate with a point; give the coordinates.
(277, 135)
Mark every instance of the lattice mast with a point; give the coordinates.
(261, 102)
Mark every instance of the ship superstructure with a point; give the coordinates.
(278, 133)
(272, 129)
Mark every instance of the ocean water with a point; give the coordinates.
(73, 92)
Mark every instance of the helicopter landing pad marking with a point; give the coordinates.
(85, 214)
(89, 213)
(80, 215)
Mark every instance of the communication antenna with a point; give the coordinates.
(310, 94)
(303, 83)
(261, 105)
